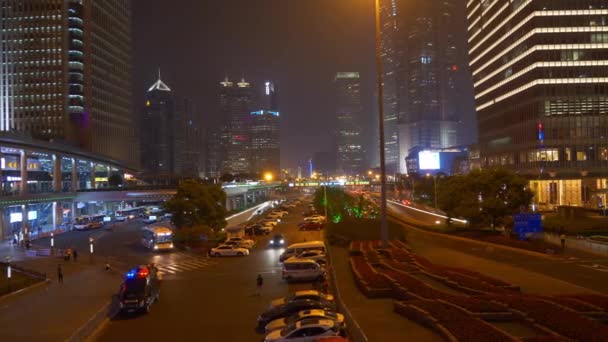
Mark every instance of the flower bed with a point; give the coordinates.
(355, 248)
(565, 322)
(596, 300)
(399, 244)
(370, 282)
(419, 288)
(459, 324)
(466, 282)
(483, 277)
(545, 339)
(573, 304)
(400, 254)
(422, 261)
(402, 266)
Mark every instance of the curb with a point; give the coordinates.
(91, 328)
(482, 243)
(25, 289)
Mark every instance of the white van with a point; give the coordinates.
(302, 269)
(297, 248)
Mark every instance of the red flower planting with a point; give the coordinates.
(565, 322)
(571, 303)
(458, 322)
(373, 279)
(421, 289)
(597, 300)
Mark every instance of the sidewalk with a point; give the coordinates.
(375, 316)
(56, 311)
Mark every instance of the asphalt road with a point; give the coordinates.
(217, 302)
(574, 270)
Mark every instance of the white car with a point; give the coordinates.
(275, 216)
(320, 218)
(227, 250)
(246, 243)
(238, 244)
(304, 314)
(304, 294)
(268, 222)
(318, 256)
(306, 330)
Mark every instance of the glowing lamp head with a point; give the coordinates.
(268, 177)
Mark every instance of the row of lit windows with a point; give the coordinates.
(541, 65)
(540, 30)
(549, 81)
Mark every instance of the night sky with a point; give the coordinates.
(299, 44)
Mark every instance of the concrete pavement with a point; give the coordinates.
(535, 272)
(375, 316)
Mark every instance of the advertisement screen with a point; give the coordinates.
(16, 217)
(32, 215)
(428, 160)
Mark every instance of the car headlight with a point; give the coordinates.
(271, 242)
(155, 247)
(171, 246)
(282, 241)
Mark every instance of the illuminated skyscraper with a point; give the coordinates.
(65, 73)
(236, 101)
(349, 112)
(265, 133)
(540, 76)
(158, 133)
(423, 79)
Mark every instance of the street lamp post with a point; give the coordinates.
(434, 189)
(8, 272)
(91, 249)
(383, 221)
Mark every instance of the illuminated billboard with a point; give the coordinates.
(428, 160)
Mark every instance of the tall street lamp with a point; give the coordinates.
(434, 188)
(383, 221)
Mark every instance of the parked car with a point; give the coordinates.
(302, 270)
(292, 308)
(315, 217)
(227, 250)
(304, 294)
(277, 241)
(259, 229)
(237, 244)
(318, 256)
(269, 222)
(241, 240)
(310, 225)
(306, 330)
(313, 313)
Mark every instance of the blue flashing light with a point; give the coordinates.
(262, 112)
(131, 274)
(273, 113)
(259, 112)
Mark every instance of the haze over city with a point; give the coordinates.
(303, 170)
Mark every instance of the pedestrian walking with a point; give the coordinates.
(59, 274)
(75, 255)
(259, 282)
(563, 240)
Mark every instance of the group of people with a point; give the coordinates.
(70, 253)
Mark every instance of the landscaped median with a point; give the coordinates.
(464, 305)
(19, 279)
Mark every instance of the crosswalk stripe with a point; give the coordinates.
(167, 270)
(172, 267)
(196, 262)
(185, 267)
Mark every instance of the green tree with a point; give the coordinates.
(338, 202)
(198, 204)
(483, 197)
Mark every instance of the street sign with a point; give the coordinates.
(525, 224)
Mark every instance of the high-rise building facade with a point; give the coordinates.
(422, 80)
(190, 138)
(265, 133)
(349, 112)
(541, 83)
(65, 73)
(391, 87)
(236, 103)
(158, 132)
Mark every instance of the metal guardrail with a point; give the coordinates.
(355, 332)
